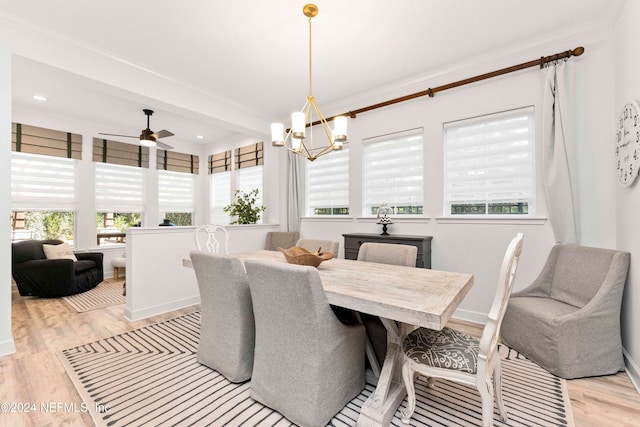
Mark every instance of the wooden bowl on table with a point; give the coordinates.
(301, 256)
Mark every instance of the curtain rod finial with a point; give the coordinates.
(578, 51)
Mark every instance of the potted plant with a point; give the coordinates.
(244, 207)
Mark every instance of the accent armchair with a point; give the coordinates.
(35, 275)
(568, 319)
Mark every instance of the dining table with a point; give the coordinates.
(403, 297)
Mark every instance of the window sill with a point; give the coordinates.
(491, 220)
(395, 219)
(327, 218)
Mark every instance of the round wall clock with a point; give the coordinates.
(628, 143)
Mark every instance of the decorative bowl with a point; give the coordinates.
(301, 256)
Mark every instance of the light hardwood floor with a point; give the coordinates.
(42, 328)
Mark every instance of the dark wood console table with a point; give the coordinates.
(352, 244)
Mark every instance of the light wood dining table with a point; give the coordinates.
(403, 297)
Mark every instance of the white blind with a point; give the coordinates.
(119, 188)
(43, 182)
(393, 172)
(220, 196)
(328, 184)
(489, 164)
(249, 179)
(175, 191)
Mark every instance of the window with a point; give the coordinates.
(393, 173)
(220, 184)
(120, 194)
(489, 168)
(249, 160)
(176, 185)
(43, 183)
(249, 179)
(328, 184)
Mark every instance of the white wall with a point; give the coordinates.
(7, 345)
(627, 203)
(157, 282)
(477, 246)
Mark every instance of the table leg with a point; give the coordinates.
(380, 407)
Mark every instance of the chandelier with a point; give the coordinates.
(296, 139)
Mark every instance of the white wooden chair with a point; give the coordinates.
(456, 356)
(211, 243)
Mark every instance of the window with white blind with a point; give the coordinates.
(393, 173)
(120, 196)
(175, 196)
(43, 197)
(220, 196)
(328, 184)
(250, 178)
(489, 165)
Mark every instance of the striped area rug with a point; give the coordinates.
(150, 377)
(106, 294)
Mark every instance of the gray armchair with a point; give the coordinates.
(568, 319)
(227, 328)
(307, 365)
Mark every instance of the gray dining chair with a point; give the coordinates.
(568, 319)
(456, 356)
(388, 253)
(313, 245)
(281, 239)
(307, 364)
(227, 328)
(382, 253)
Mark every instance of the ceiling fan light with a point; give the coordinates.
(147, 142)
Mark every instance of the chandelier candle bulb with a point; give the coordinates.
(277, 134)
(340, 129)
(298, 124)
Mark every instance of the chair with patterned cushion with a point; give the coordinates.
(382, 253)
(313, 245)
(456, 356)
(307, 364)
(227, 328)
(211, 243)
(568, 319)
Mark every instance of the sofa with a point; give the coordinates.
(37, 275)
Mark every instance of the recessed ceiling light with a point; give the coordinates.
(200, 136)
(40, 98)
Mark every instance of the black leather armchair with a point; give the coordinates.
(35, 275)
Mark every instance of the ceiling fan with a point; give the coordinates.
(148, 138)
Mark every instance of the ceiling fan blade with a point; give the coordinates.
(163, 146)
(163, 134)
(115, 134)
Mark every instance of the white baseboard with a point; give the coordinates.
(7, 347)
(470, 316)
(143, 313)
(632, 370)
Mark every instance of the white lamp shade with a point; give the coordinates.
(340, 126)
(277, 133)
(298, 124)
(296, 144)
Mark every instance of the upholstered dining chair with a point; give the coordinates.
(568, 319)
(313, 245)
(456, 356)
(383, 253)
(388, 253)
(227, 327)
(206, 238)
(281, 239)
(307, 364)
